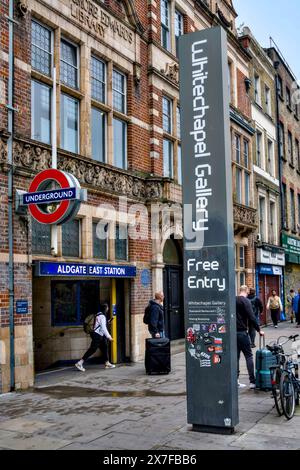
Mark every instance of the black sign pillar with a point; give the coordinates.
(209, 273)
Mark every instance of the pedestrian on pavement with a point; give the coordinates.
(245, 317)
(289, 300)
(100, 337)
(156, 316)
(296, 308)
(257, 308)
(275, 306)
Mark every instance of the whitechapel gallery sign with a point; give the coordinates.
(98, 21)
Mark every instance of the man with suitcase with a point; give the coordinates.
(245, 317)
(156, 316)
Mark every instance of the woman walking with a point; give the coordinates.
(100, 337)
(275, 306)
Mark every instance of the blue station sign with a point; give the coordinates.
(43, 268)
(46, 197)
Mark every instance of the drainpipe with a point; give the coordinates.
(11, 111)
(280, 168)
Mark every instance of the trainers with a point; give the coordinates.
(241, 385)
(108, 365)
(276, 326)
(252, 386)
(80, 366)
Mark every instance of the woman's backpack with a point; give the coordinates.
(89, 323)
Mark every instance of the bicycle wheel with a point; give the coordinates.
(287, 395)
(275, 380)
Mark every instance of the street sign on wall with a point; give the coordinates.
(209, 273)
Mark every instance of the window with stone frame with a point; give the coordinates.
(100, 240)
(69, 60)
(119, 85)
(98, 79)
(69, 123)
(121, 242)
(293, 210)
(178, 28)
(281, 140)
(71, 238)
(288, 98)
(298, 200)
(262, 217)
(165, 17)
(285, 207)
(257, 89)
(41, 48)
(41, 238)
(241, 173)
(259, 149)
(171, 148)
(279, 86)
(268, 100)
(272, 223)
(41, 112)
(297, 151)
(271, 166)
(290, 148)
(240, 266)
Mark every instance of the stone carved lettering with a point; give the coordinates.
(94, 18)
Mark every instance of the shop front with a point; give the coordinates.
(64, 294)
(291, 246)
(269, 276)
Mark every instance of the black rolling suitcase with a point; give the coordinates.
(157, 356)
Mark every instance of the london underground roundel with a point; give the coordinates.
(53, 197)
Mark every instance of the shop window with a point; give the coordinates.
(73, 301)
(40, 112)
(71, 239)
(99, 243)
(41, 48)
(121, 243)
(41, 238)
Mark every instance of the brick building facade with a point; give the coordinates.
(118, 133)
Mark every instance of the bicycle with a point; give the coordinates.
(276, 371)
(289, 387)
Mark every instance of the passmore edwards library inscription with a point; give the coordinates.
(98, 21)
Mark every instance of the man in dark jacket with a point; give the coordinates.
(245, 317)
(257, 308)
(156, 322)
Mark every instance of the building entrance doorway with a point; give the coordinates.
(173, 290)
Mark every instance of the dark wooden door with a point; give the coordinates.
(174, 315)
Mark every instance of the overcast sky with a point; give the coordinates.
(277, 18)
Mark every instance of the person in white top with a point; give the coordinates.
(100, 337)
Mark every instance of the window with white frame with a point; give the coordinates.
(257, 91)
(271, 158)
(168, 158)
(290, 148)
(167, 114)
(259, 154)
(293, 210)
(268, 100)
(262, 218)
(69, 64)
(98, 79)
(41, 48)
(272, 227)
(178, 27)
(165, 24)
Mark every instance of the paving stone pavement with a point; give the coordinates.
(125, 409)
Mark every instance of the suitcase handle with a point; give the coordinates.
(263, 338)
